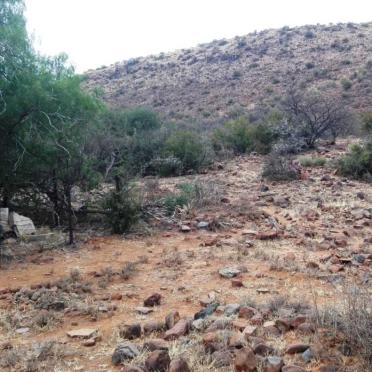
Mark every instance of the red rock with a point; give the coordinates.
(283, 324)
(179, 365)
(153, 300)
(239, 324)
(273, 364)
(306, 328)
(237, 341)
(222, 358)
(267, 235)
(335, 268)
(153, 326)
(158, 361)
(131, 369)
(296, 348)
(116, 296)
(263, 349)
(245, 360)
(180, 329)
(171, 319)
(237, 283)
(90, 342)
(299, 319)
(130, 331)
(247, 312)
(257, 319)
(292, 369)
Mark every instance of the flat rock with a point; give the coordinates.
(82, 333)
(144, 310)
(229, 272)
(125, 351)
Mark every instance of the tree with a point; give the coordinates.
(312, 115)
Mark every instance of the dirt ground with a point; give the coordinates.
(300, 241)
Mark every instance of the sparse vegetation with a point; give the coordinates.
(280, 168)
(307, 161)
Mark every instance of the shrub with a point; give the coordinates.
(280, 168)
(165, 167)
(307, 161)
(367, 122)
(188, 148)
(346, 84)
(123, 208)
(241, 137)
(180, 198)
(357, 163)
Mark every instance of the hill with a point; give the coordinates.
(219, 79)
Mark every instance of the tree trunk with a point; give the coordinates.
(69, 215)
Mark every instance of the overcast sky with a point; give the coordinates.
(102, 32)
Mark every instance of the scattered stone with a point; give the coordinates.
(158, 361)
(283, 325)
(222, 358)
(308, 355)
(153, 300)
(249, 330)
(296, 348)
(21, 225)
(130, 331)
(229, 272)
(257, 319)
(90, 342)
(219, 324)
(179, 365)
(237, 283)
(270, 235)
(263, 290)
(239, 324)
(298, 320)
(203, 225)
(292, 368)
(263, 349)
(155, 344)
(129, 368)
(185, 228)
(82, 333)
(153, 326)
(123, 352)
(180, 329)
(306, 328)
(273, 364)
(247, 312)
(171, 319)
(245, 360)
(143, 310)
(23, 330)
(200, 324)
(209, 310)
(231, 309)
(237, 341)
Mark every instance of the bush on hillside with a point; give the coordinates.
(280, 168)
(357, 163)
(367, 122)
(307, 161)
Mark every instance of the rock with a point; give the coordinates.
(298, 320)
(263, 349)
(21, 225)
(229, 272)
(257, 319)
(153, 326)
(82, 333)
(22, 331)
(249, 330)
(231, 309)
(282, 202)
(306, 328)
(296, 348)
(129, 368)
(219, 324)
(239, 324)
(185, 228)
(222, 358)
(125, 351)
(273, 364)
(245, 360)
(158, 361)
(209, 310)
(155, 344)
(180, 329)
(360, 195)
(237, 341)
(179, 365)
(292, 368)
(212, 341)
(307, 355)
(116, 296)
(171, 319)
(143, 310)
(130, 331)
(283, 324)
(90, 342)
(200, 324)
(247, 312)
(237, 283)
(203, 225)
(153, 300)
(270, 235)
(207, 300)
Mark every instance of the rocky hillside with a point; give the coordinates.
(221, 78)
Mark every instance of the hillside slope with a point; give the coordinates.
(221, 78)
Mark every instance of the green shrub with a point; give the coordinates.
(241, 137)
(307, 161)
(178, 199)
(346, 84)
(165, 167)
(123, 208)
(188, 148)
(279, 168)
(357, 163)
(367, 122)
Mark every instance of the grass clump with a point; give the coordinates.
(280, 168)
(307, 161)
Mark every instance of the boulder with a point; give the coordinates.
(156, 344)
(180, 329)
(130, 331)
(21, 225)
(296, 348)
(153, 326)
(229, 272)
(153, 300)
(158, 361)
(179, 365)
(125, 351)
(273, 364)
(82, 333)
(171, 319)
(245, 360)
(222, 358)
